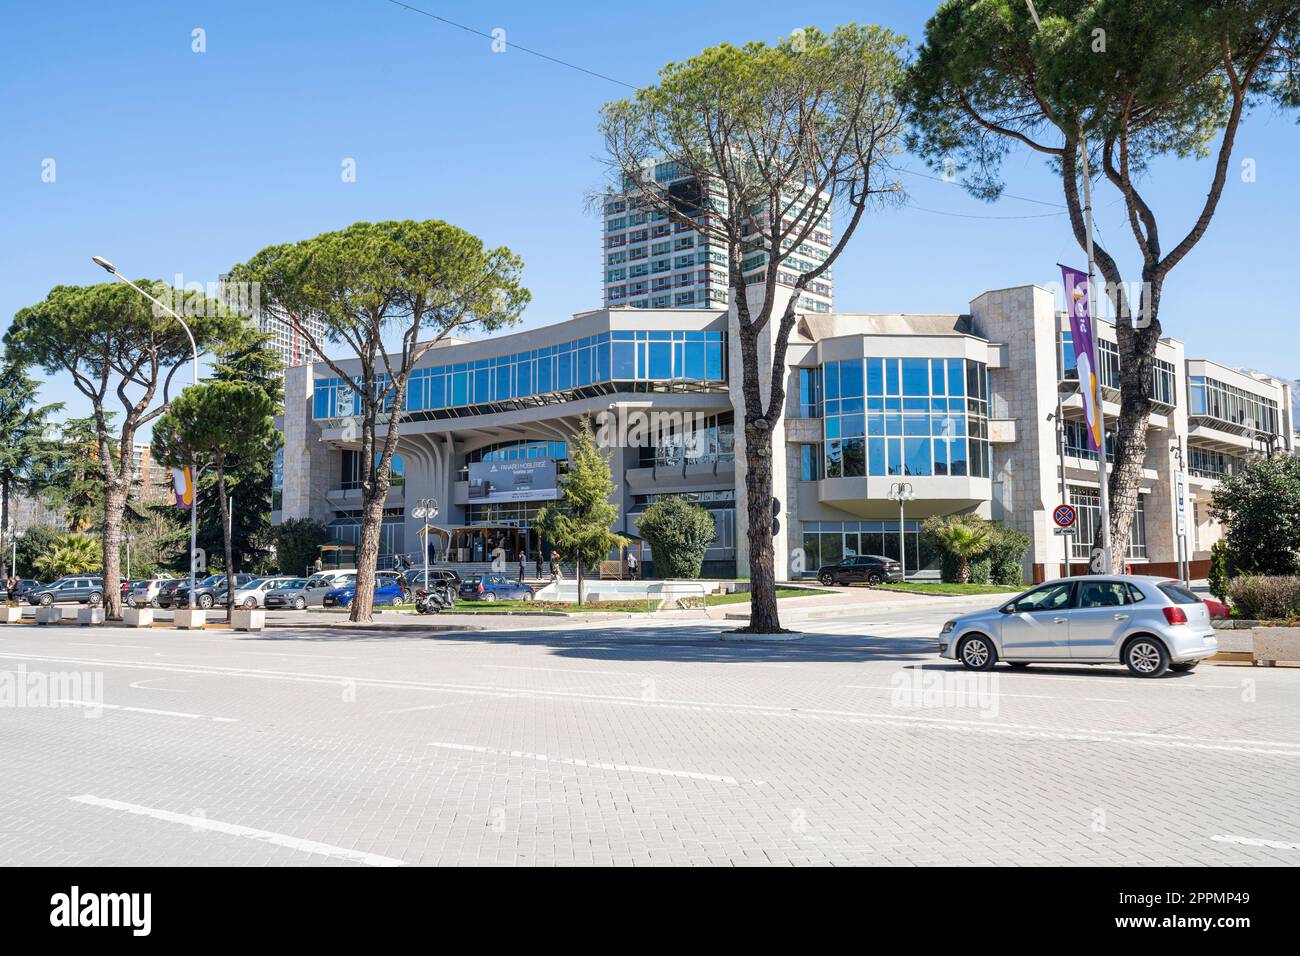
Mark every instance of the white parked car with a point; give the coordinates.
(253, 594)
(1149, 624)
(145, 593)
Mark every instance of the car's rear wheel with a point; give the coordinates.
(977, 653)
(529, 594)
(250, 602)
(489, 596)
(205, 601)
(1146, 657)
(154, 603)
(396, 600)
(95, 599)
(875, 579)
(1184, 667)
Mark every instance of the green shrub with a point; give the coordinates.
(1220, 571)
(297, 544)
(679, 533)
(998, 553)
(1264, 597)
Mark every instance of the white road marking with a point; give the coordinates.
(139, 685)
(129, 647)
(595, 765)
(92, 705)
(910, 690)
(235, 829)
(813, 713)
(1255, 841)
(564, 670)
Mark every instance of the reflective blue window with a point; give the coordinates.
(621, 356)
(913, 428)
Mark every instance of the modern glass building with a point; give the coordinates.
(960, 408)
(651, 262)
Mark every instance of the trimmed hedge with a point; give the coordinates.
(1263, 597)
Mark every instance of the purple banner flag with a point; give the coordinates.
(1076, 302)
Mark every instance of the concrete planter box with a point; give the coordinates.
(90, 615)
(253, 619)
(137, 616)
(190, 620)
(10, 615)
(49, 615)
(1273, 644)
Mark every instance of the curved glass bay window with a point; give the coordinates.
(620, 361)
(905, 416)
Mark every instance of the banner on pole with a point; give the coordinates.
(1076, 301)
(183, 484)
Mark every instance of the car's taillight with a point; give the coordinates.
(1174, 615)
(480, 589)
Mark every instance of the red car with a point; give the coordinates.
(1218, 610)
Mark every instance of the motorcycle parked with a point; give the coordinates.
(434, 600)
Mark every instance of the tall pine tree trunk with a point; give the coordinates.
(115, 491)
(763, 618)
(372, 524)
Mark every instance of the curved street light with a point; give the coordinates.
(901, 491)
(194, 350)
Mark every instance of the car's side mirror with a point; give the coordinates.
(1007, 608)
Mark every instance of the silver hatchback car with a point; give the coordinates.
(1149, 624)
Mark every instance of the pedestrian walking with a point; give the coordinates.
(523, 566)
(631, 565)
(556, 574)
(539, 562)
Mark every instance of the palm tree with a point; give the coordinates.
(72, 554)
(963, 540)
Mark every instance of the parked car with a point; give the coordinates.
(1149, 624)
(869, 569)
(127, 587)
(494, 587)
(397, 578)
(253, 594)
(21, 590)
(211, 590)
(1218, 610)
(167, 592)
(299, 593)
(387, 592)
(83, 590)
(415, 578)
(145, 593)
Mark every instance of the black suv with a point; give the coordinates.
(869, 569)
(211, 590)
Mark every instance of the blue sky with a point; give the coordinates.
(170, 161)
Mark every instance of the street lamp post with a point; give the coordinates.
(194, 350)
(426, 509)
(901, 491)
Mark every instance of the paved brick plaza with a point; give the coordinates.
(650, 742)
